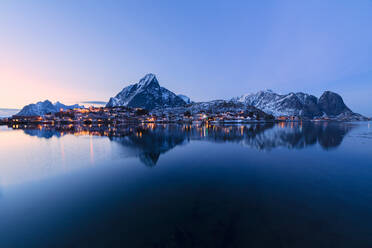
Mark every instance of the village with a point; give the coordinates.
(122, 115)
(118, 115)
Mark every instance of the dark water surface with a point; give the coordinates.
(267, 185)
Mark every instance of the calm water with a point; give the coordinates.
(282, 185)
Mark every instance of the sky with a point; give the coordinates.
(74, 51)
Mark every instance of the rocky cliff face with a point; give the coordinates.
(147, 94)
(332, 104)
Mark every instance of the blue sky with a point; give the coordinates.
(89, 50)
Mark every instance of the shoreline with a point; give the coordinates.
(98, 123)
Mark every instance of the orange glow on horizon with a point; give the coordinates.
(22, 85)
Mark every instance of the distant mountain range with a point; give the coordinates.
(299, 104)
(42, 108)
(148, 94)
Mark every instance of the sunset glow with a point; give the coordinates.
(89, 51)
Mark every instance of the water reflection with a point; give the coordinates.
(263, 185)
(149, 141)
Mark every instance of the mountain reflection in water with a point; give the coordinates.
(149, 141)
(260, 185)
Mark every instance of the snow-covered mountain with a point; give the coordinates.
(147, 94)
(185, 98)
(42, 108)
(299, 104)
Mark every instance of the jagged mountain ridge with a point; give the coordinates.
(299, 104)
(43, 108)
(147, 94)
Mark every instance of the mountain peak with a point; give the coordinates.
(146, 94)
(267, 91)
(332, 103)
(45, 102)
(42, 108)
(148, 80)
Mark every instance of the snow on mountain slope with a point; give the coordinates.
(272, 103)
(147, 94)
(298, 104)
(42, 108)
